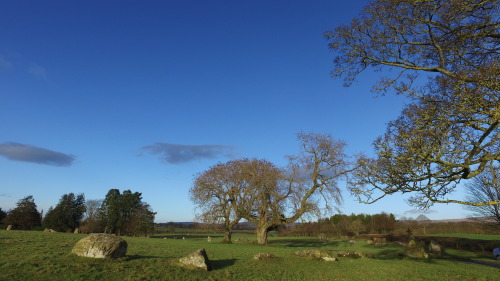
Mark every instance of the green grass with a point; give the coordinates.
(29, 255)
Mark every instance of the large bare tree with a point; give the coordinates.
(268, 196)
(91, 221)
(218, 195)
(309, 181)
(445, 55)
(485, 187)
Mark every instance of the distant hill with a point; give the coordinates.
(186, 224)
(458, 220)
(239, 226)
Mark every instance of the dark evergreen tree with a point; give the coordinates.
(2, 215)
(25, 216)
(126, 214)
(68, 213)
(110, 211)
(130, 207)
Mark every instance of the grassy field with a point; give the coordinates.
(33, 256)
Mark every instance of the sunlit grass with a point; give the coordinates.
(46, 256)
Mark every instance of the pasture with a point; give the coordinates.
(33, 255)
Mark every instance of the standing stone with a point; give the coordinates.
(350, 254)
(101, 246)
(263, 256)
(317, 254)
(435, 248)
(322, 237)
(198, 260)
(76, 231)
(9, 227)
(415, 250)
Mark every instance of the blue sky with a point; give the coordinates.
(143, 95)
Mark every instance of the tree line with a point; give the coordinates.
(118, 213)
(341, 225)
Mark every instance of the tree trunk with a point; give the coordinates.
(262, 235)
(227, 237)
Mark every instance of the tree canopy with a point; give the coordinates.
(2, 215)
(268, 196)
(265, 196)
(445, 55)
(67, 214)
(125, 213)
(91, 220)
(220, 195)
(25, 215)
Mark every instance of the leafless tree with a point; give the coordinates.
(268, 196)
(445, 55)
(91, 218)
(484, 188)
(92, 208)
(311, 177)
(219, 193)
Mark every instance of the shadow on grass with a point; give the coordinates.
(139, 257)
(388, 254)
(471, 257)
(314, 243)
(485, 263)
(184, 236)
(220, 264)
(461, 255)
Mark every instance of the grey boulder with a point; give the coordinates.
(101, 246)
(196, 260)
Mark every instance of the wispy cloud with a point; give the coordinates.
(27, 153)
(38, 71)
(178, 153)
(4, 63)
